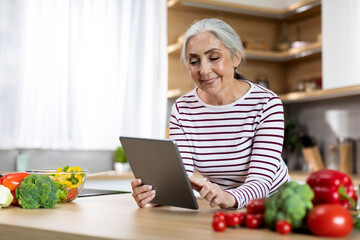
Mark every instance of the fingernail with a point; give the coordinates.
(149, 187)
(138, 180)
(152, 192)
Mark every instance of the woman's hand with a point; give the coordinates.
(142, 194)
(213, 193)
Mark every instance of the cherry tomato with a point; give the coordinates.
(13, 180)
(256, 206)
(283, 227)
(242, 217)
(221, 215)
(218, 225)
(232, 220)
(254, 220)
(331, 220)
(72, 193)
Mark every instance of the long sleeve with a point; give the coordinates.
(265, 160)
(176, 133)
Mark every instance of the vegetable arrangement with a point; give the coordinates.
(40, 190)
(70, 178)
(323, 206)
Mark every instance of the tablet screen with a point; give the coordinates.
(158, 163)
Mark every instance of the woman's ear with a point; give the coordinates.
(237, 59)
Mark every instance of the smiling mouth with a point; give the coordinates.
(209, 82)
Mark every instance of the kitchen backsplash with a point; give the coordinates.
(327, 121)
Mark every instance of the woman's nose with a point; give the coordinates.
(204, 68)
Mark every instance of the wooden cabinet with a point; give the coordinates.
(261, 30)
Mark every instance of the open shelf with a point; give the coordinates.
(252, 10)
(283, 68)
(298, 97)
(276, 56)
(283, 56)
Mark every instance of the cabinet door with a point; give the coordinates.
(341, 43)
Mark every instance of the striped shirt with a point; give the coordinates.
(237, 146)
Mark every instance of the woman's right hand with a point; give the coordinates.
(142, 194)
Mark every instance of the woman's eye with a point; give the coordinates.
(193, 62)
(214, 58)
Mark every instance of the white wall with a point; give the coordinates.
(341, 43)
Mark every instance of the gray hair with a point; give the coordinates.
(223, 31)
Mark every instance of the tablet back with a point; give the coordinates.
(158, 163)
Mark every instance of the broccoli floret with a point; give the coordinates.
(305, 191)
(61, 192)
(37, 191)
(291, 202)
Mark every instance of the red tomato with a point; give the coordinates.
(242, 217)
(221, 215)
(72, 193)
(232, 220)
(331, 220)
(256, 206)
(219, 225)
(254, 220)
(283, 227)
(13, 180)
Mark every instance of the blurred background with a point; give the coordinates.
(75, 75)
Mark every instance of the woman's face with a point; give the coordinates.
(210, 63)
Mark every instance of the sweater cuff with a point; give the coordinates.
(237, 199)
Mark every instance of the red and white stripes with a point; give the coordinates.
(238, 146)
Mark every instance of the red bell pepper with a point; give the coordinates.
(12, 181)
(331, 186)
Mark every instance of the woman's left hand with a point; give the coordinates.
(213, 193)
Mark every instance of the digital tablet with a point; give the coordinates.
(157, 162)
(89, 192)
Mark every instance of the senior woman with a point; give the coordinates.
(229, 129)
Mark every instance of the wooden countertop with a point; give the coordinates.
(112, 175)
(118, 217)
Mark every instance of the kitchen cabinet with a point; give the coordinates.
(261, 30)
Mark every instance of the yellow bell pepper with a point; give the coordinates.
(79, 178)
(65, 182)
(66, 178)
(74, 169)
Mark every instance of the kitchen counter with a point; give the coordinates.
(299, 176)
(118, 217)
